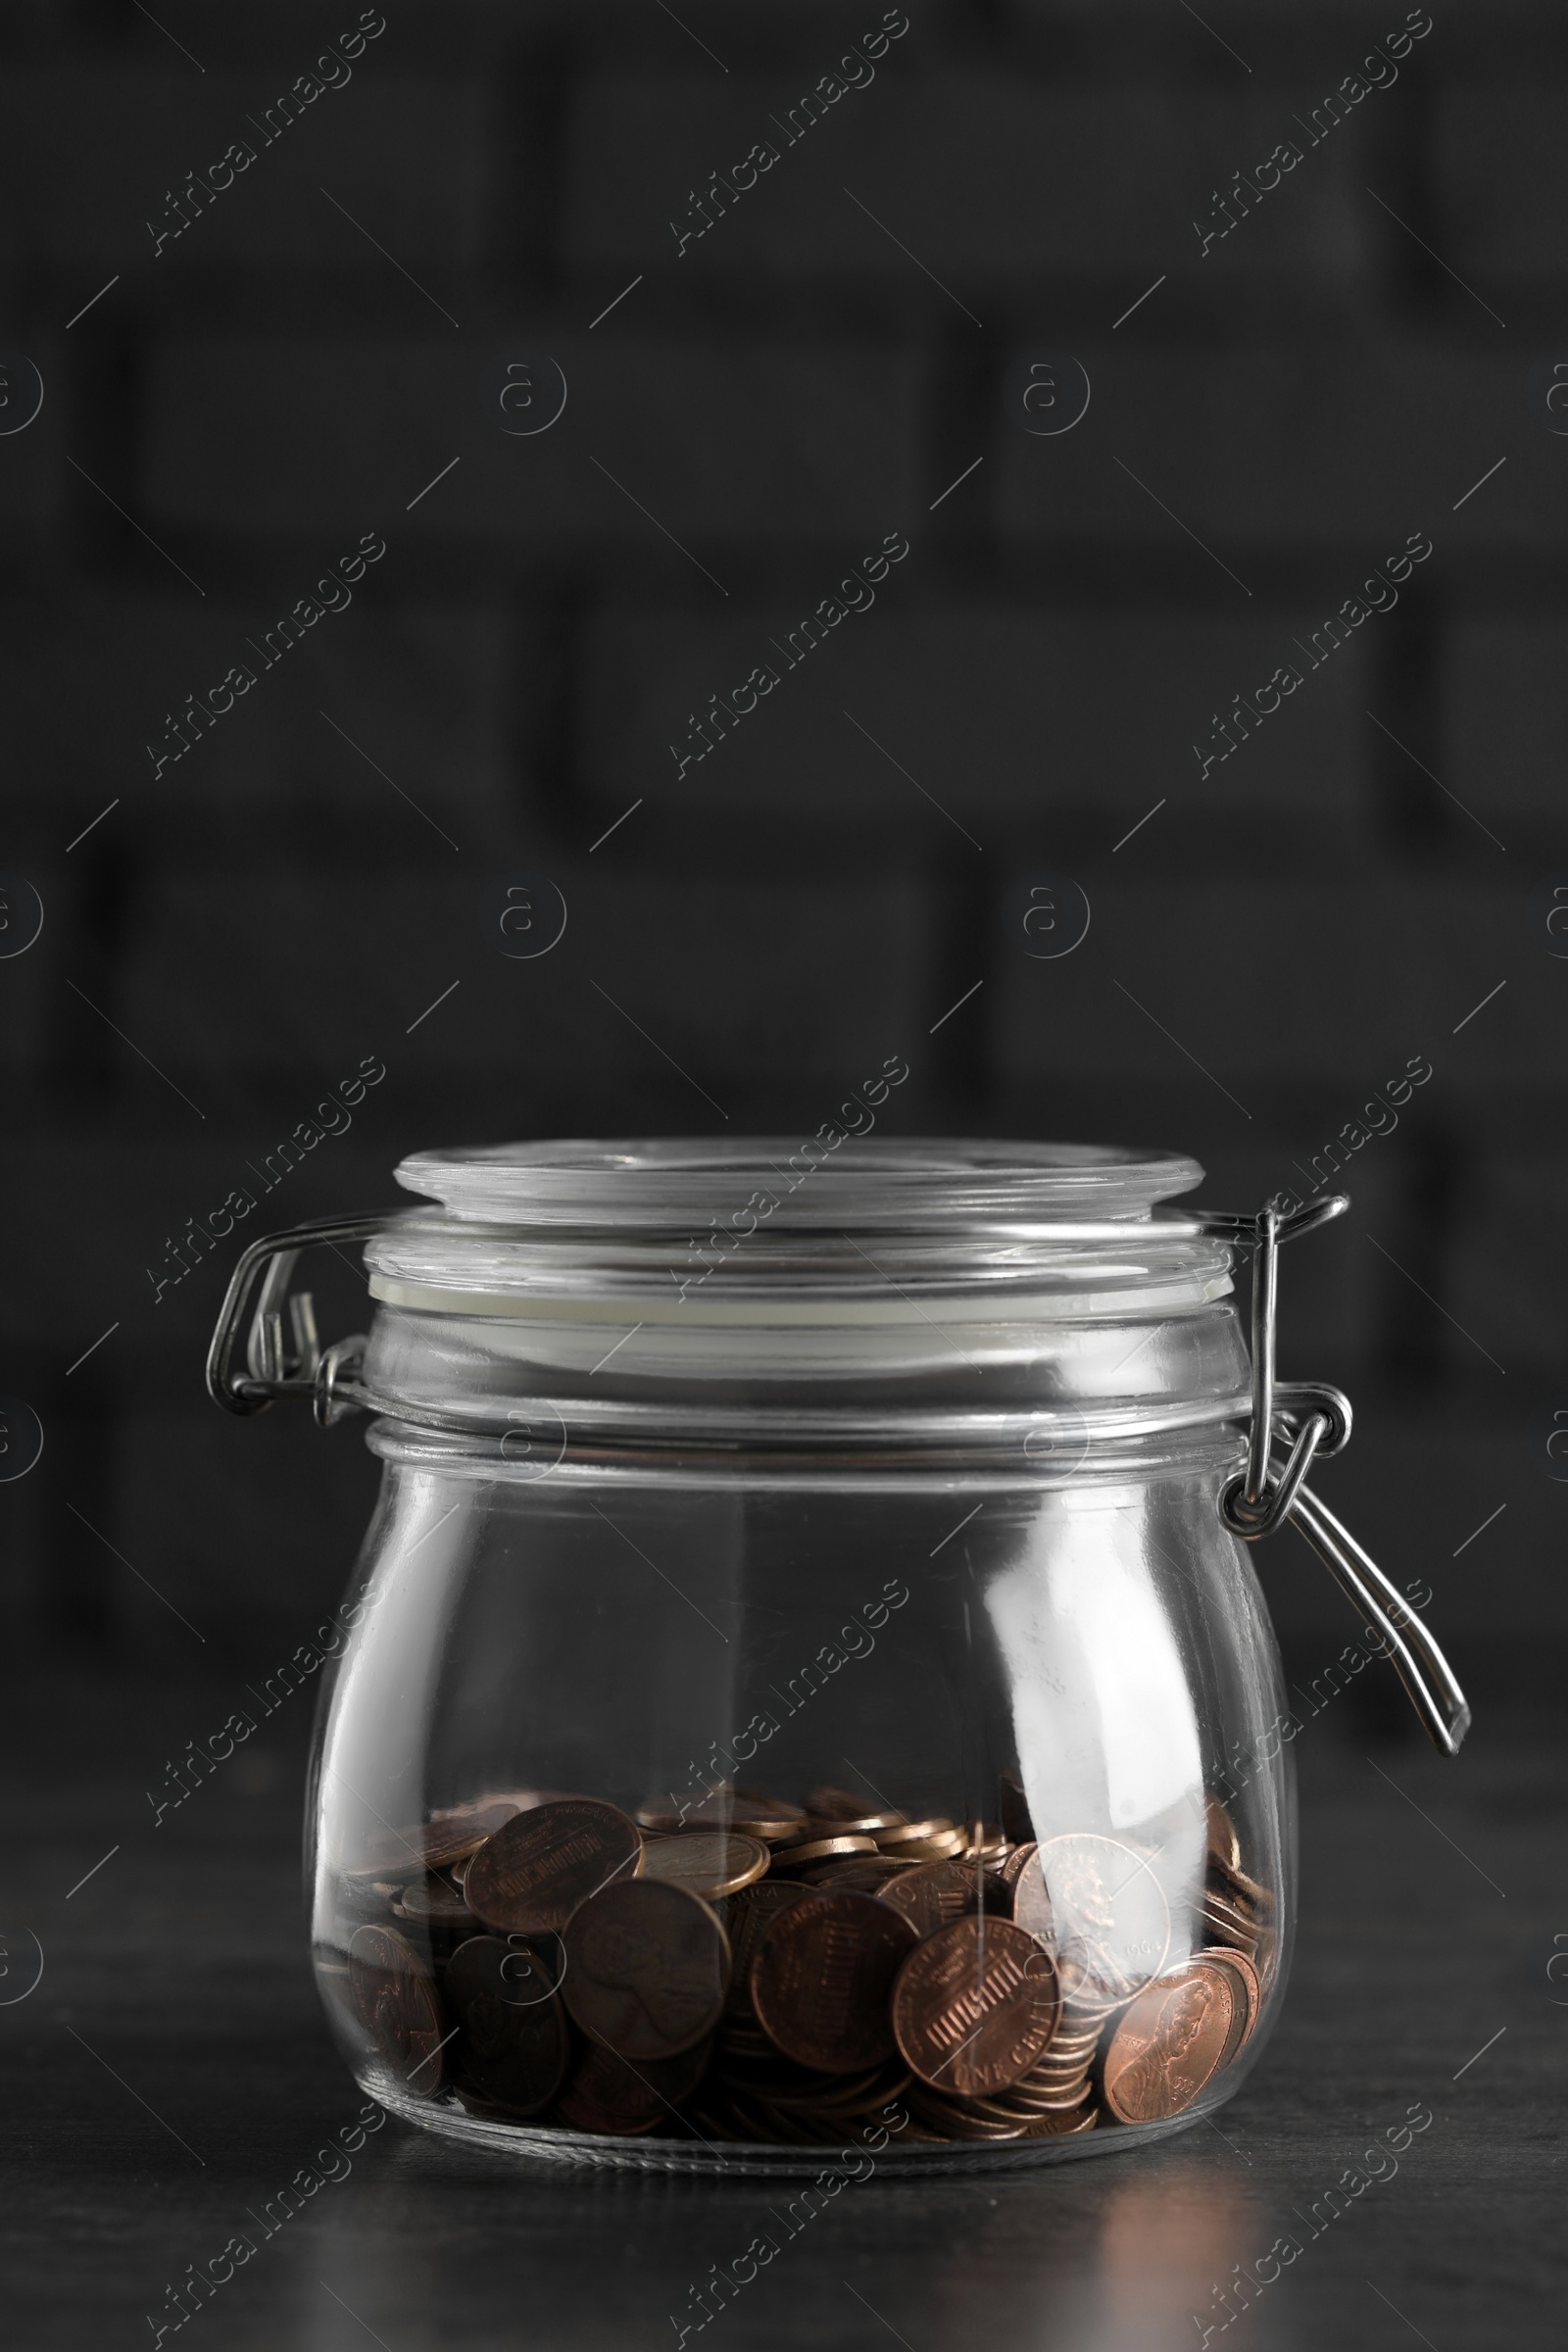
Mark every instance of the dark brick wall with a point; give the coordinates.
(241, 405)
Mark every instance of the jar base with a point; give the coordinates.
(757, 2159)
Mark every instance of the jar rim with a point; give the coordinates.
(674, 1183)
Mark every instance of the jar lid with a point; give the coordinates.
(838, 1177)
(758, 1232)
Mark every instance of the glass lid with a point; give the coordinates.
(842, 1176)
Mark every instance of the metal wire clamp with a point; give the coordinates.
(1302, 1422)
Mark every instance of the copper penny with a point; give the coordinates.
(803, 1850)
(432, 1901)
(822, 1977)
(625, 2098)
(398, 2003)
(752, 1811)
(1170, 2043)
(975, 2006)
(1223, 1843)
(533, 1874)
(935, 1893)
(708, 1862)
(1239, 1887)
(746, 1920)
(1250, 1998)
(865, 1874)
(512, 2044)
(1013, 1866)
(937, 1831)
(924, 1849)
(847, 1811)
(1098, 1907)
(446, 1837)
(647, 1968)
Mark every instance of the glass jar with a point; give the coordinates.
(804, 1685)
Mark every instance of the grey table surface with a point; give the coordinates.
(170, 2071)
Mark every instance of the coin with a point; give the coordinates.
(955, 2119)
(399, 2005)
(709, 1862)
(1223, 1843)
(1067, 2125)
(924, 1849)
(647, 1968)
(1014, 1865)
(536, 1869)
(1170, 2043)
(1239, 1887)
(625, 2098)
(433, 1903)
(847, 1811)
(512, 2044)
(747, 1920)
(752, 1811)
(1108, 1922)
(1250, 1998)
(928, 1832)
(1227, 1924)
(935, 1893)
(446, 1837)
(975, 2005)
(819, 1849)
(865, 1874)
(821, 1976)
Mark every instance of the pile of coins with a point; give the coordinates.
(761, 1970)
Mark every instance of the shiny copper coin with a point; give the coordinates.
(1170, 2043)
(647, 1968)
(533, 1874)
(625, 2098)
(398, 2006)
(1106, 1920)
(711, 1863)
(935, 1893)
(513, 2042)
(975, 2005)
(822, 1977)
(1252, 1993)
(799, 1852)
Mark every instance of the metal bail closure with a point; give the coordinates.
(1305, 1421)
(276, 1366)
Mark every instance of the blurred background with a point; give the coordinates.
(250, 383)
